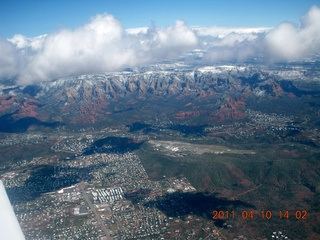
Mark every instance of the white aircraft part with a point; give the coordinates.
(9, 225)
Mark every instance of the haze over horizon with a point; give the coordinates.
(108, 43)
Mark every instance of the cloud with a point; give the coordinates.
(8, 59)
(285, 42)
(99, 46)
(289, 42)
(22, 42)
(103, 45)
(238, 52)
(174, 40)
(232, 44)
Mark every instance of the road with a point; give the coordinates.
(97, 216)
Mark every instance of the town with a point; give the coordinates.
(92, 184)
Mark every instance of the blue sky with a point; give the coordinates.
(35, 17)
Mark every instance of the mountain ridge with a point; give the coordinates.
(85, 98)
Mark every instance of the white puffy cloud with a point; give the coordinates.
(8, 59)
(285, 42)
(289, 42)
(99, 46)
(169, 42)
(103, 45)
(177, 36)
(22, 42)
(232, 44)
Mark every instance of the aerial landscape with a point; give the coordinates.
(149, 120)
